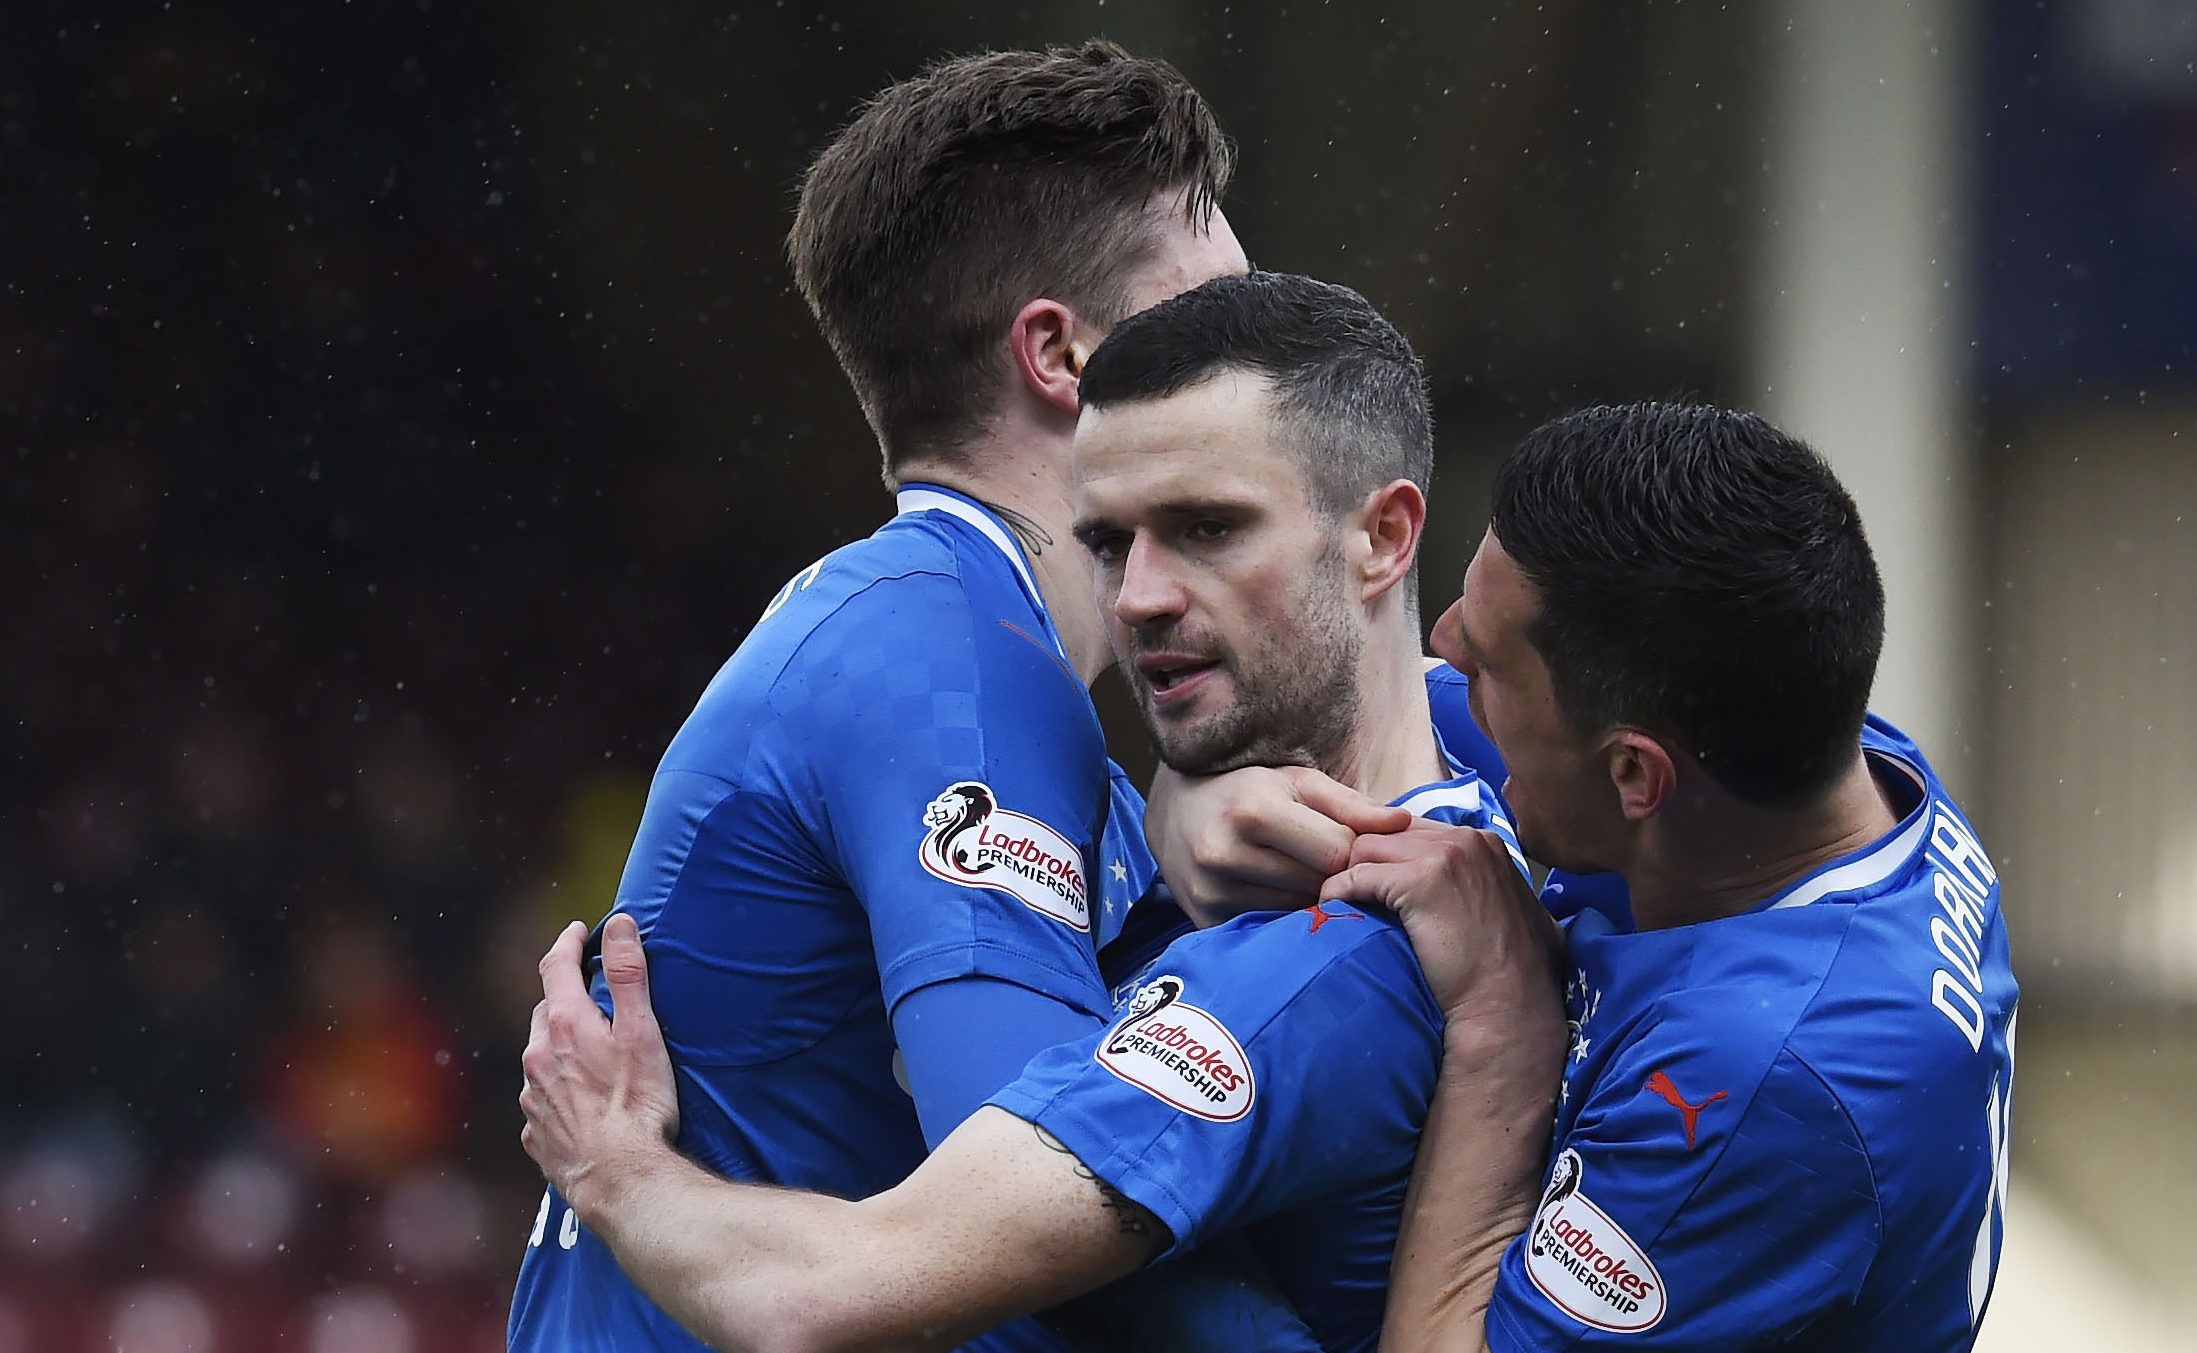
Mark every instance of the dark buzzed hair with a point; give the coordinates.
(1704, 577)
(958, 196)
(1349, 389)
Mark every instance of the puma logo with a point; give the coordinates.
(1690, 1113)
(1321, 917)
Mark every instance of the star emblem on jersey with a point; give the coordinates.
(1179, 1054)
(1582, 999)
(1121, 871)
(1688, 1113)
(1583, 1262)
(975, 843)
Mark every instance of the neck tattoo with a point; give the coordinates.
(1034, 538)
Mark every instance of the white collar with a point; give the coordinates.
(1875, 863)
(938, 500)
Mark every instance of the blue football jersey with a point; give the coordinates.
(896, 781)
(1269, 1077)
(1789, 1127)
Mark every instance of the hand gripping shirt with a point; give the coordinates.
(1269, 1077)
(897, 781)
(1786, 1128)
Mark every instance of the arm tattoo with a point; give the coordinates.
(1131, 1215)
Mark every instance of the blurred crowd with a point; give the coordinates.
(355, 590)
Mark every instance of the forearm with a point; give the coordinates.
(1474, 1186)
(997, 1223)
(744, 1267)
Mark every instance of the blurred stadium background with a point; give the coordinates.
(406, 410)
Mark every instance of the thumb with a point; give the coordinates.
(1369, 885)
(625, 968)
(1332, 799)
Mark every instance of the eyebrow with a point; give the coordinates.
(1233, 506)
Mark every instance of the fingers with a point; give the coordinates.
(537, 1031)
(532, 1061)
(625, 967)
(1293, 840)
(1422, 839)
(1401, 863)
(1343, 805)
(560, 967)
(1240, 898)
(1286, 819)
(1379, 885)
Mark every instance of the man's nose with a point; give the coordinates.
(1150, 589)
(1447, 639)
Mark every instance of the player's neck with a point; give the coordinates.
(1028, 484)
(1392, 751)
(1713, 856)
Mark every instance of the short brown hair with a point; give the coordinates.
(958, 196)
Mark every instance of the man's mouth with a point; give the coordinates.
(1172, 676)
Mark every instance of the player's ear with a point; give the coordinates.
(1642, 772)
(1049, 346)
(1385, 534)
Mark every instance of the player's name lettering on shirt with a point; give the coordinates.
(1585, 1263)
(1962, 879)
(978, 844)
(1179, 1054)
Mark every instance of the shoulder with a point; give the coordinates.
(1806, 1043)
(1879, 735)
(1335, 959)
(907, 574)
(918, 569)
(907, 628)
(1699, 1090)
(1338, 1020)
(1676, 1020)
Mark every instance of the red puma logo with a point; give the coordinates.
(1691, 1113)
(1321, 918)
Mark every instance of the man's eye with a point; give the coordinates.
(1106, 547)
(1206, 532)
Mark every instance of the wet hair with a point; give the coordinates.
(958, 196)
(1348, 389)
(1704, 577)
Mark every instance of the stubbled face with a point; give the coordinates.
(1183, 255)
(1559, 789)
(1223, 589)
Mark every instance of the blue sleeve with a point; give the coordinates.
(1687, 1211)
(1270, 1063)
(961, 776)
(962, 1040)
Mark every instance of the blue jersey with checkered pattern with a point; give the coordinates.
(1268, 1078)
(1786, 1128)
(897, 781)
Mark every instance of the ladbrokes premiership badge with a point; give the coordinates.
(1585, 1263)
(1179, 1054)
(978, 844)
